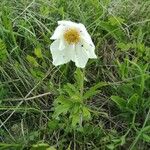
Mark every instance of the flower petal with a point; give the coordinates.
(89, 48)
(71, 51)
(62, 52)
(62, 44)
(87, 42)
(59, 57)
(81, 56)
(84, 34)
(58, 32)
(58, 45)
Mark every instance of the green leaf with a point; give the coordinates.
(62, 100)
(146, 129)
(145, 137)
(75, 108)
(123, 140)
(94, 90)
(124, 46)
(60, 109)
(38, 52)
(38, 74)
(32, 61)
(114, 31)
(111, 146)
(51, 148)
(71, 90)
(123, 68)
(3, 51)
(116, 20)
(86, 113)
(75, 119)
(121, 103)
(53, 124)
(133, 101)
(40, 146)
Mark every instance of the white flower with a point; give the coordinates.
(72, 42)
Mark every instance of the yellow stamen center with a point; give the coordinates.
(72, 36)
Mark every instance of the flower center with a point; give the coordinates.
(72, 36)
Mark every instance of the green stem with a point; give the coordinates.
(140, 132)
(142, 83)
(142, 77)
(82, 85)
(132, 126)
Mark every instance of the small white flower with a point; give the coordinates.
(72, 42)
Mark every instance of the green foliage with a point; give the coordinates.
(71, 101)
(38, 52)
(3, 92)
(141, 51)
(145, 135)
(32, 61)
(48, 107)
(125, 105)
(114, 27)
(121, 103)
(42, 146)
(132, 96)
(3, 51)
(94, 90)
(133, 90)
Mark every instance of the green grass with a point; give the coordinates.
(30, 86)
